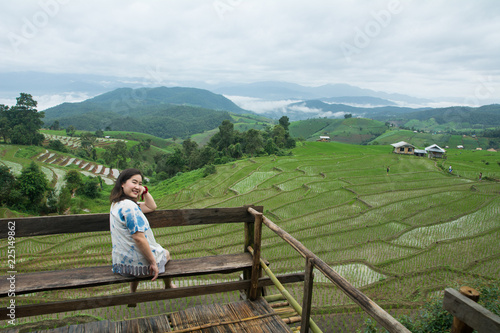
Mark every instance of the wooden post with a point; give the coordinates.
(256, 270)
(458, 325)
(249, 241)
(306, 302)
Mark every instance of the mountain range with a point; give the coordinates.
(282, 90)
(46, 84)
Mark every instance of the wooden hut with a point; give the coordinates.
(402, 147)
(435, 151)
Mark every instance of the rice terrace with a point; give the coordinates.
(401, 237)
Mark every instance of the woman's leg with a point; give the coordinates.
(133, 288)
(168, 282)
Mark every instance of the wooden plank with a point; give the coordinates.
(470, 312)
(102, 275)
(60, 224)
(370, 307)
(147, 296)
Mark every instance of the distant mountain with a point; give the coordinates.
(319, 109)
(281, 90)
(124, 100)
(359, 100)
(163, 112)
(488, 115)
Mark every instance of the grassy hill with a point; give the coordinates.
(456, 117)
(400, 238)
(422, 140)
(351, 130)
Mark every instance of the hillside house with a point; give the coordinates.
(324, 139)
(402, 147)
(435, 151)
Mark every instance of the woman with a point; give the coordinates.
(135, 251)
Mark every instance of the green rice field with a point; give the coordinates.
(401, 238)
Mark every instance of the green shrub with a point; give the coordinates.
(208, 170)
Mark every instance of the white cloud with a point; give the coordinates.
(258, 105)
(425, 49)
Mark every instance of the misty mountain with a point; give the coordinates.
(282, 90)
(124, 101)
(488, 115)
(359, 100)
(319, 109)
(163, 112)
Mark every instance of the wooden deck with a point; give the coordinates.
(243, 316)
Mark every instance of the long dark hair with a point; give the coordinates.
(117, 191)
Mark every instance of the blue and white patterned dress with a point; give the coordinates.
(125, 219)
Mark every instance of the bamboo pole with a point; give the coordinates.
(274, 298)
(286, 294)
(370, 307)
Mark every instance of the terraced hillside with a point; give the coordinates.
(400, 237)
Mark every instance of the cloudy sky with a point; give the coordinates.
(421, 48)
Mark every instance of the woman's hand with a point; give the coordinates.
(153, 270)
(149, 204)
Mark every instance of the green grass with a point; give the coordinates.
(401, 238)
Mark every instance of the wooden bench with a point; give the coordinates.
(27, 283)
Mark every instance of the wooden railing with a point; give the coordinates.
(28, 283)
(313, 261)
(469, 315)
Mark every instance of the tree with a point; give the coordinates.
(191, 154)
(270, 147)
(99, 133)
(348, 115)
(4, 122)
(87, 145)
(253, 141)
(57, 145)
(278, 135)
(25, 121)
(73, 180)
(7, 181)
(226, 130)
(55, 126)
(285, 122)
(64, 200)
(119, 152)
(70, 130)
(89, 188)
(32, 185)
(171, 164)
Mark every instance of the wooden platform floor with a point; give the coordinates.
(242, 316)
